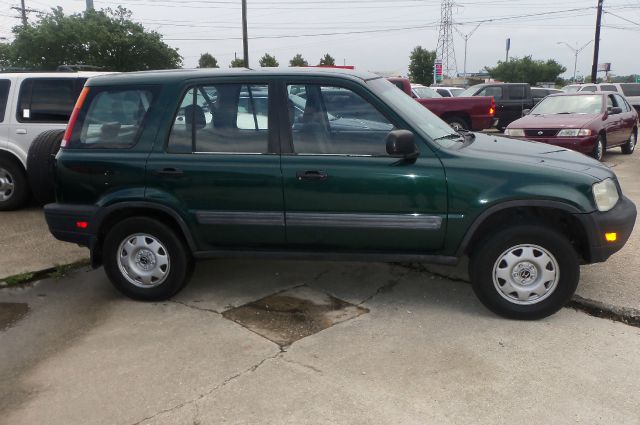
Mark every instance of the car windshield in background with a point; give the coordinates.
(470, 91)
(427, 123)
(577, 104)
(630, 89)
(425, 92)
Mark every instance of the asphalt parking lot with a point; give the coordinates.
(302, 342)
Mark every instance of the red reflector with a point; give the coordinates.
(82, 224)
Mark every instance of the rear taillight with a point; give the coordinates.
(492, 109)
(74, 117)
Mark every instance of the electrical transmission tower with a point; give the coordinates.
(445, 49)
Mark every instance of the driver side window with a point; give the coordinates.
(335, 120)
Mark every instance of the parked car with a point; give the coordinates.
(469, 113)
(510, 98)
(539, 93)
(587, 122)
(148, 195)
(32, 103)
(449, 91)
(631, 91)
(418, 91)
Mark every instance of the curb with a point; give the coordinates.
(29, 277)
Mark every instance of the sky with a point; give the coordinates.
(378, 35)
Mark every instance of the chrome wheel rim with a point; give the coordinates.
(599, 150)
(143, 260)
(632, 142)
(526, 274)
(6, 185)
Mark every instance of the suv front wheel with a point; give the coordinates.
(524, 272)
(145, 259)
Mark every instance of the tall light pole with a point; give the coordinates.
(245, 38)
(576, 50)
(466, 39)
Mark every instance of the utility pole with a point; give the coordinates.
(245, 38)
(506, 58)
(23, 12)
(576, 51)
(466, 39)
(596, 47)
(89, 5)
(445, 49)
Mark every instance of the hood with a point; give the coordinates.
(554, 121)
(534, 153)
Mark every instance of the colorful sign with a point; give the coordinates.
(438, 70)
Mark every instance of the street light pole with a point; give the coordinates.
(466, 38)
(245, 38)
(576, 51)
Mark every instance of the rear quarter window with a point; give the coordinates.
(608, 87)
(4, 94)
(48, 100)
(111, 117)
(630, 89)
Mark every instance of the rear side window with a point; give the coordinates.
(622, 103)
(630, 89)
(111, 118)
(608, 87)
(516, 92)
(222, 118)
(444, 92)
(48, 99)
(4, 94)
(589, 88)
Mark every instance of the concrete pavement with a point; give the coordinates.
(425, 352)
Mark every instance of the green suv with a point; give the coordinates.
(160, 168)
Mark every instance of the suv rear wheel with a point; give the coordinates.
(14, 190)
(524, 272)
(145, 259)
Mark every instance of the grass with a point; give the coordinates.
(57, 273)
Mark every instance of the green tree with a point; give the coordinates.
(237, 63)
(298, 60)
(526, 70)
(327, 60)
(421, 65)
(107, 38)
(268, 60)
(207, 61)
(5, 55)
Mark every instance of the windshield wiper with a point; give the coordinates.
(450, 136)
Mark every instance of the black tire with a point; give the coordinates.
(40, 165)
(599, 148)
(486, 259)
(14, 188)
(176, 254)
(457, 123)
(630, 146)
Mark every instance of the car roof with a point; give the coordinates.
(178, 75)
(582, 93)
(447, 87)
(53, 74)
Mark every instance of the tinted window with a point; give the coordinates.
(444, 93)
(631, 89)
(608, 87)
(538, 93)
(225, 118)
(516, 92)
(111, 118)
(494, 91)
(4, 93)
(589, 88)
(354, 127)
(622, 103)
(48, 99)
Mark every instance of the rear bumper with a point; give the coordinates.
(65, 222)
(620, 219)
(579, 144)
(482, 122)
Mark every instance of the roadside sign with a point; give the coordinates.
(438, 70)
(638, 79)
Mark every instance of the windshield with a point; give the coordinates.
(577, 104)
(470, 91)
(425, 92)
(419, 117)
(456, 92)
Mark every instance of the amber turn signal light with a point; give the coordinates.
(611, 237)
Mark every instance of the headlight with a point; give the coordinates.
(605, 194)
(515, 132)
(574, 132)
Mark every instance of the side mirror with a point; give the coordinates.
(526, 112)
(614, 110)
(402, 144)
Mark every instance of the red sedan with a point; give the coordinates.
(585, 122)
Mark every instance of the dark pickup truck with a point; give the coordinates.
(468, 113)
(510, 99)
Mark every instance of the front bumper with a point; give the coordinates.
(583, 144)
(620, 219)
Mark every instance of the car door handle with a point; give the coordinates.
(170, 172)
(21, 131)
(311, 175)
